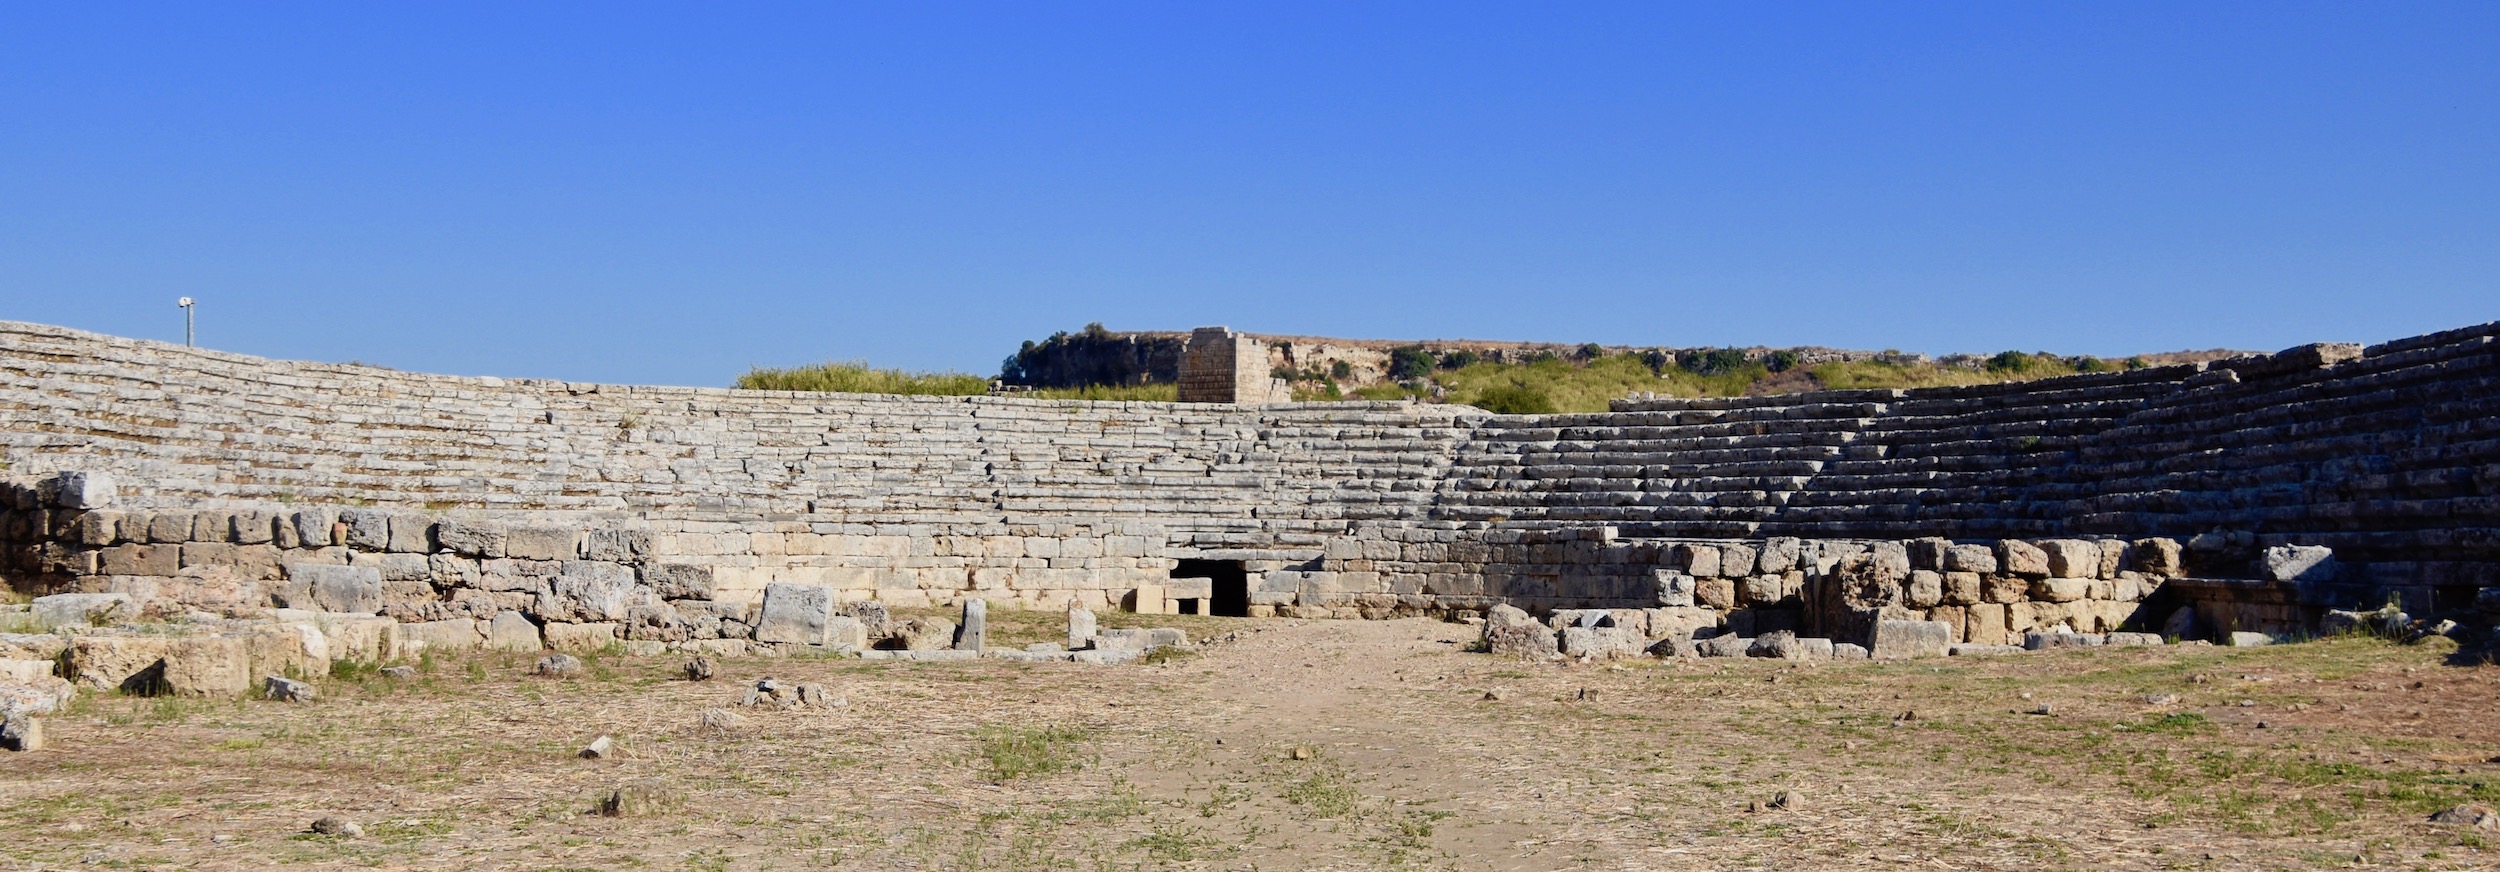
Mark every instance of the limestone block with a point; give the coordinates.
(2006, 588)
(797, 613)
(1675, 589)
(367, 529)
(169, 527)
(2158, 556)
(541, 543)
(474, 538)
(84, 491)
(1148, 600)
(589, 591)
(678, 580)
(211, 526)
(1928, 553)
(1736, 560)
(208, 554)
(1906, 640)
(253, 528)
(98, 529)
(513, 631)
(579, 638)
(1512, 632)
(2072, 558)
(1699, 561)
(973, 634)
(140, 560)
(313, 528)
(361, 638)
(618, 546)
(1723, 645)
(329, 587)
(1925, 590)
(1963, 588)
(84, 609)
(1759, 590)
(1603, 643)
(1970, 558)
(2060, 590)
(150, 665)
(2113, 557)
(1716, 593)
(2305, 563)
(411, 534)
(452, 636)
(288, 648)
(1777, 645)
(25, 671)
(2017, 557)
(1779, 554)
(928, 634)
(1190, 588)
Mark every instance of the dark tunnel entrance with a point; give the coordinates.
(1231, 595)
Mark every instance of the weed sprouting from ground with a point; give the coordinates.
(1008, 753)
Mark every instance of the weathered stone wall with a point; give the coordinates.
(2388, 455)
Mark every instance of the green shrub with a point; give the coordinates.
(1515, 400)
(1409, 362)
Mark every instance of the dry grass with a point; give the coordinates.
(2322, 755)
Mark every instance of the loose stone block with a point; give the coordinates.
(799, 613)
(1512, 632)
(21, 732)
(2306, 563)
(1603, 643)
(1905, 640)
(973, 634)
(1080, 627)
(513, 631)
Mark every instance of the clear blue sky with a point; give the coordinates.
(668, 193)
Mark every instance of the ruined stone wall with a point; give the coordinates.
(635, 497)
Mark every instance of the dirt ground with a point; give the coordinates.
(1303, 745)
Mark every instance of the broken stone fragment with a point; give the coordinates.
(598, 749)
(280, 689)
(558, 666)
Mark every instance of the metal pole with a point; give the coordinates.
(187, 311)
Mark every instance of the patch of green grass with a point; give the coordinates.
(1154, 393)
(857, 377)
(1175, 844)
(1009, 753)
(1325, 793)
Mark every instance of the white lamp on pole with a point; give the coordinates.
(185, 303)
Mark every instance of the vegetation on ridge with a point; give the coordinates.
(858, 377)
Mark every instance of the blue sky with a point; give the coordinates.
(669, 193)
